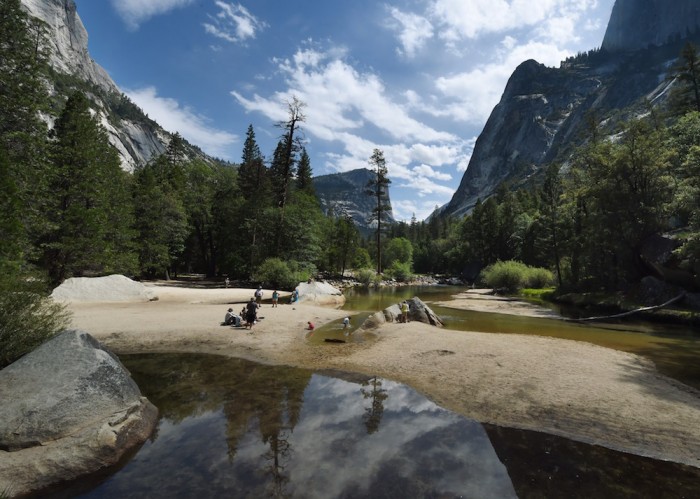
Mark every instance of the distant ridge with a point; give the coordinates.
(344, 194)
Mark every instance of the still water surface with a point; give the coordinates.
(233, 428)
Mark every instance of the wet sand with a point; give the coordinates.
(572, 389)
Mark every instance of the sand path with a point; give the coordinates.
(572, 389)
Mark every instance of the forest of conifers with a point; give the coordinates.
(68, 209)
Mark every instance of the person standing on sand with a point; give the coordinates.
(258, 296)
(251, 313)
(275, 297)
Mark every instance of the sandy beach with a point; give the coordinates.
(573, 389)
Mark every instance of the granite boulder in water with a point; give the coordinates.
(69, 408)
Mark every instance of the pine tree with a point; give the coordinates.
(304, 174)
(253, 180)
(378, 188)
(23, 146)
(685, 95)
(88, 206)
(161, 217)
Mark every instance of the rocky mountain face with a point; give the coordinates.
(543, 112)
(636, 24)
(344, 193)
(136, 138)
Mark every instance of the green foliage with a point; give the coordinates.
(365, 276)
(90, 211)
(362, 259)
(685, 94)
(398, 249)
(28, 317)
(512, 276)
(23, 134)
(278, 274)
(400, 271)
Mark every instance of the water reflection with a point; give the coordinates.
(233, 428)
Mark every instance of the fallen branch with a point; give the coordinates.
(625, 314)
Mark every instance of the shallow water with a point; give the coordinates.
(674, 349)
(233, 428)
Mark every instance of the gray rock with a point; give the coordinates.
(418, 311)
(68, 408)
(320, 293)
(635, 24)
(343, 194)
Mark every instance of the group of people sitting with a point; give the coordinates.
(249, 314)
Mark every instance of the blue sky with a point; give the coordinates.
(414, 78)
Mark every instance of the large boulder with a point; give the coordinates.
(69, 408)
(100, 289)
(320, 293)
(417, 311)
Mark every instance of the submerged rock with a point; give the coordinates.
(69, 408)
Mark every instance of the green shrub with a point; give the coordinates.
(28, 317)
(365, 276)
(274, 273)
(277, 274)
(512, 276)
(362, 259)
(539, 278)
(400, 271)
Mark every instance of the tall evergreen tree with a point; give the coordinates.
(89, 209)
(252, 174)
(161, 217)
(685, 95)
(552, 192)
(304, 174)
(23, 152)
(378, 188)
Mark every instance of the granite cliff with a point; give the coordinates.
(136, 137)
(543, 111)
(344, 193)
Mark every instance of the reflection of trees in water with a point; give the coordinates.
(278, 457)
(373, 413)
(187, 385)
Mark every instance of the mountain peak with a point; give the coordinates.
(636, 24)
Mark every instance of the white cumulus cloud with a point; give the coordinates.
(135, 12)
(414, 30)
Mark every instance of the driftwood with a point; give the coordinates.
(625, 314)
